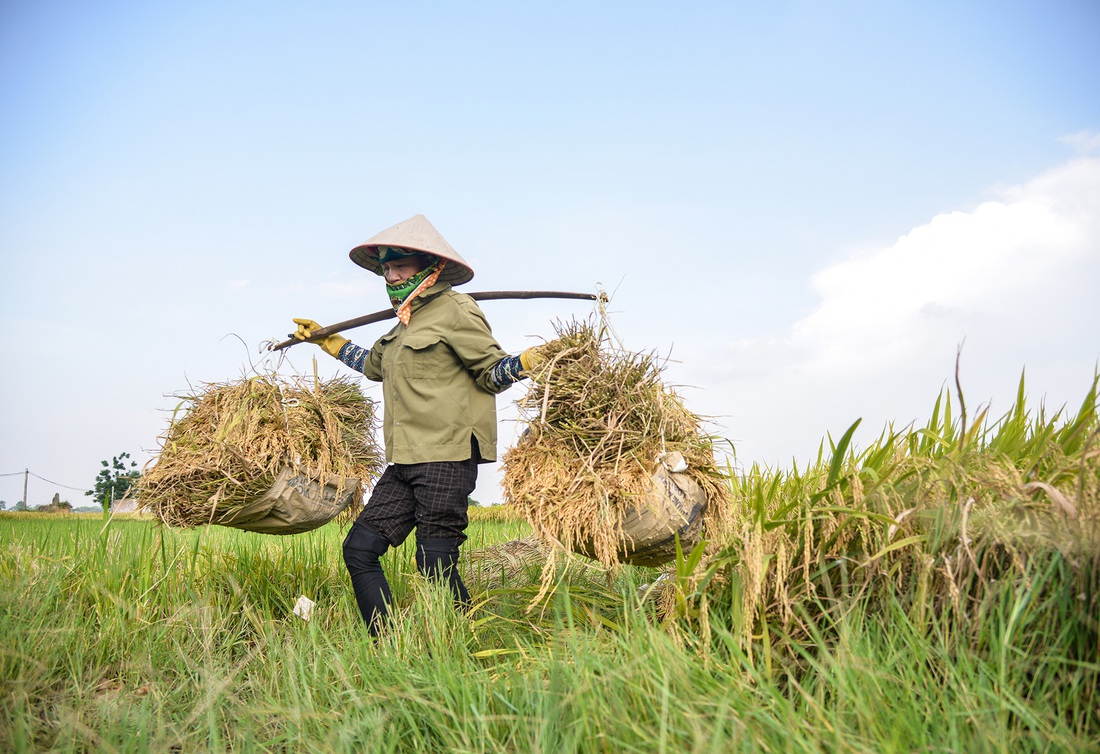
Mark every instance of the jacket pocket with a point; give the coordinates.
(425, 357)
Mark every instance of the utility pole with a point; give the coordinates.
(26, 476)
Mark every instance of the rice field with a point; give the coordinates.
(936, 591)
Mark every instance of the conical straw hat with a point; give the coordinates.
(417, 234)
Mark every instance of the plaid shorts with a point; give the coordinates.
(432, 497)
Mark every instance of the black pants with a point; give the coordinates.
(431, 497)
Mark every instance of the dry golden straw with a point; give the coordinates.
(599, 421)
(234, 438)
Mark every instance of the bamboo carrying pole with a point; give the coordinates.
(385, 314)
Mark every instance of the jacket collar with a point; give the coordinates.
(427, 296)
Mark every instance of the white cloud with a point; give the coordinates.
(1013, 281)
(885, 307)
(1085, 142)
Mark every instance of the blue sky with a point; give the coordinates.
(809, 206)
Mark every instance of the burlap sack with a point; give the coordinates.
(672, 507)
(295, 504)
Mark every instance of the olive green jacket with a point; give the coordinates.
(436, 386)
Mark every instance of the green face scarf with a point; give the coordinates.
(398, 293)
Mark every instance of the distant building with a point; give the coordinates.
(125, 505)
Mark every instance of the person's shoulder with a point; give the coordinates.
(461, 300)
(463, 312)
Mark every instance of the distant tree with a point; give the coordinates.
(115, 479)
(3, 505)
(20, 506)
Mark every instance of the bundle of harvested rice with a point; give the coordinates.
(267, 453)
(503, 562)
(611, 456)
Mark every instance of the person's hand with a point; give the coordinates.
(534, 357)
(330, 344)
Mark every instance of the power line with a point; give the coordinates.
(56, 484)
(47, 481)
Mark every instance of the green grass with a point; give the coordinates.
(827, 622)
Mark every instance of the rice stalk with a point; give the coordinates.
(950, 523)
(599, 421)
(234, 438)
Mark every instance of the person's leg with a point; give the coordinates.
(438, 559)
(442, 492)
(363, 547)
(386, 520)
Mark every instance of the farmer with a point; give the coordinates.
(440, 369)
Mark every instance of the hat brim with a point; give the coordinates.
(455, 272)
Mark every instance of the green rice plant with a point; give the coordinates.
(137, 638)
(987, 533)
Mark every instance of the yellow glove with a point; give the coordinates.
(330, 344)
(534, 357)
